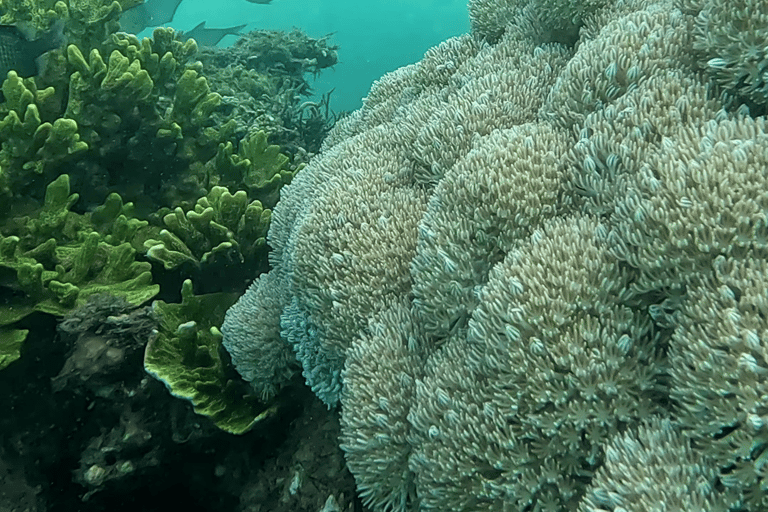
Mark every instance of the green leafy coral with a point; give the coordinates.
(128, 116)
(185, 356)
(129, 126)
(87, 22)
(258, 167)
(53, 260)
(30, 146)
(56, 261)
(10, 345)
(221, 230)
(120, 104)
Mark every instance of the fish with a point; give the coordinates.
(151, 13)
(20, 51)
(210, 36)
(263, 2)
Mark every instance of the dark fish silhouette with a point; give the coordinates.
(151, 13)
(210, 36)
(19, 50)
(260, 1)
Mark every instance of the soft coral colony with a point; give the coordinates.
(531, 270)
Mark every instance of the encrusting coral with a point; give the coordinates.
(532, 268)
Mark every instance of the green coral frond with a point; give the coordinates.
(185, 357)
(222, 230)
(258, 166)
(59, 259)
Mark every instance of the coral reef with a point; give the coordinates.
(127, 124)
(121, 175)
(532, 268)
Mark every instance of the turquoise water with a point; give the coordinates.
(374, 38)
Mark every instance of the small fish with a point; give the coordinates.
(151, 13)
(210, 36)
(263, 2)
(20, 50)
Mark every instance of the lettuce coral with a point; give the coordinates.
(11, 341)
(30, 146)
(223, 230)
(103, 115)
(258, 167)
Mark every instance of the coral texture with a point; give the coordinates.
(221, 231)
(532, 269)
(732, 39)
(637, 462)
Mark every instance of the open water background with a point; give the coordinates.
(375, 36)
